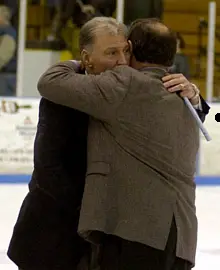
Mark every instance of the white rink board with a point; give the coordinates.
(210, 151)
(18, 122)
(18, 129)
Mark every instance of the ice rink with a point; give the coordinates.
(208, 211)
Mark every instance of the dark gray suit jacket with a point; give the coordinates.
(45, 234)
(142, 147)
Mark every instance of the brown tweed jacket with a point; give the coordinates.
(142, 147)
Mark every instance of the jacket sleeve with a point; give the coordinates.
(205, 109)
(96, 95)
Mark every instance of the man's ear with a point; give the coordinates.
(85, 59)
(130, 46)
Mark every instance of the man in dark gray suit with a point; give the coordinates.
(139, 200)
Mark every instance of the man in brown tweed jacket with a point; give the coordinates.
(139, 198)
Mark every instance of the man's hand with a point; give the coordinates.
(178, 82)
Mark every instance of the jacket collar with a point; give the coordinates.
(155, 71)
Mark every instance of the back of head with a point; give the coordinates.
(153, 42)
(98, 25)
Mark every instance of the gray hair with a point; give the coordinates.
(5, 13)
(99, 24)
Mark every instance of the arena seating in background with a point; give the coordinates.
(184, 17)
(39, 18)
(38, 22)
(181, 16)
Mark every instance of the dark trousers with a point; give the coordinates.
(119, 254)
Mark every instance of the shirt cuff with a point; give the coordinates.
(198, 106)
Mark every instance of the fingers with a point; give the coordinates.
(174, 82)
(185, 94)
(174, 88)
(177, 82)
(171, 76)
